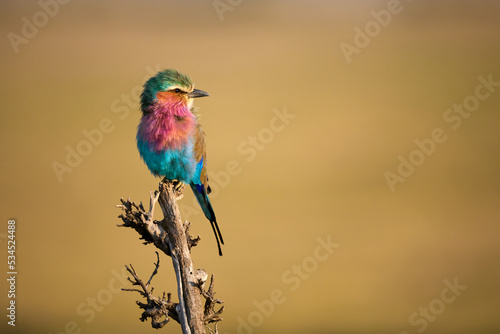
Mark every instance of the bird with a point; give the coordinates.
(170, 139)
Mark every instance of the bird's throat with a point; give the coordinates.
(167, 126)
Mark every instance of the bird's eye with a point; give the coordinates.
(177, 90)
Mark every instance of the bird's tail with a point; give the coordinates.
(202, 197)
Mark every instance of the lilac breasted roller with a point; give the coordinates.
(170, 139)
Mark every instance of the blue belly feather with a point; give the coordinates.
(174, 164)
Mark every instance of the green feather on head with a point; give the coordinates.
(161, 82)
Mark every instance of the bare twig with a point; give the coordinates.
(156, 308)
(136, 217)
(210, 315)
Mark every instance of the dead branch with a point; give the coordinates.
(150, 230)
(210, 315)
(156, 308)
(172, 237)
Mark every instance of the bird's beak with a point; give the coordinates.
(197, 93)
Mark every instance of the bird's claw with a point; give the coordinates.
(178, 185)
(178, 188)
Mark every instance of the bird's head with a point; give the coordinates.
(171, 87)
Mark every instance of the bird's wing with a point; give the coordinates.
(200, 156)
(200, 186)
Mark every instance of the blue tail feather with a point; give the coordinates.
(202, 197)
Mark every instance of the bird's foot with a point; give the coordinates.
(178, 185)
(178, 188)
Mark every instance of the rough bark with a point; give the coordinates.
(189, 293)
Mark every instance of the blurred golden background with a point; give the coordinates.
(353, 194)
